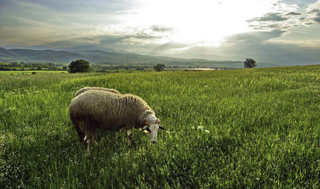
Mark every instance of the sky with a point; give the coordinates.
(269, 31)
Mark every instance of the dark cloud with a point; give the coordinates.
(254, 37)
(273, 21)
(268, 26)
(88, 38)
(314, 11)
(309, 23)
(293, 14)
(161, 29)
(315, 16)
(277, 21)
(317, 19)
(270, 17)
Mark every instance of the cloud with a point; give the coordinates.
(313, 7)
(301, 3)
(300, 36)
(261, 46)
(254, 37)
(234, 47)
(314, 15)
(317, 19)
(161, 29)
(287, 17)
(270, 17)
(293, 14)
(80, 6)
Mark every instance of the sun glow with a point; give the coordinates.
(202, 21)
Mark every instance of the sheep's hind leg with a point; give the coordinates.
(129, 134)
(94, 141)
(79, 128)
(87, 144)
(89, 132)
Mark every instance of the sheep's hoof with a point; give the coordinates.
(86, 154)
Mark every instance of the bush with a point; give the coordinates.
(79, 66)
(249, 63)
(159, 67)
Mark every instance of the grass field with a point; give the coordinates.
(30, 72)
(260, 129)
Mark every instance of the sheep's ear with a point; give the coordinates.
(157, 121)
(147, 122)
(145, 128)
(160, 127)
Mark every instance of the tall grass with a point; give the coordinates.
(260, 128)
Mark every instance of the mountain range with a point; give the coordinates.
(110, 56)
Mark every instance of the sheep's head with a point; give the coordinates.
(152, 125)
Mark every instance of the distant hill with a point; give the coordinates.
(99, 56)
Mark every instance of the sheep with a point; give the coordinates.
(95, 88)
(107, 110)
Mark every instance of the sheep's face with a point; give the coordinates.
(152, 127)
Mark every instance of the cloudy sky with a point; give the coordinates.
(270, 31)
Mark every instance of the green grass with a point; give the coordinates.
(260, 130)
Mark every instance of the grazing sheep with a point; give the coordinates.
(107, 110)
(95, 88)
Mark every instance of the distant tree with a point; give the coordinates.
(79, 66)
(250, 63)
(159, 67)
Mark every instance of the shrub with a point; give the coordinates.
(79, 66)
(250, 63)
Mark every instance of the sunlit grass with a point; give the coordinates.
(229, 129)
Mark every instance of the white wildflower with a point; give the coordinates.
(200, 127)
(207, 131)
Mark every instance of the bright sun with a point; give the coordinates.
(205, 22)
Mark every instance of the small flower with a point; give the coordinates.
(200, 127)
(207, 131)
(193, 127)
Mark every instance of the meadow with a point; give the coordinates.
(244, 128)
(30, 72)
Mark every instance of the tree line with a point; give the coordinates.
(83, 66)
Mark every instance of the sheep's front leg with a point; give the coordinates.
(129, 133)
